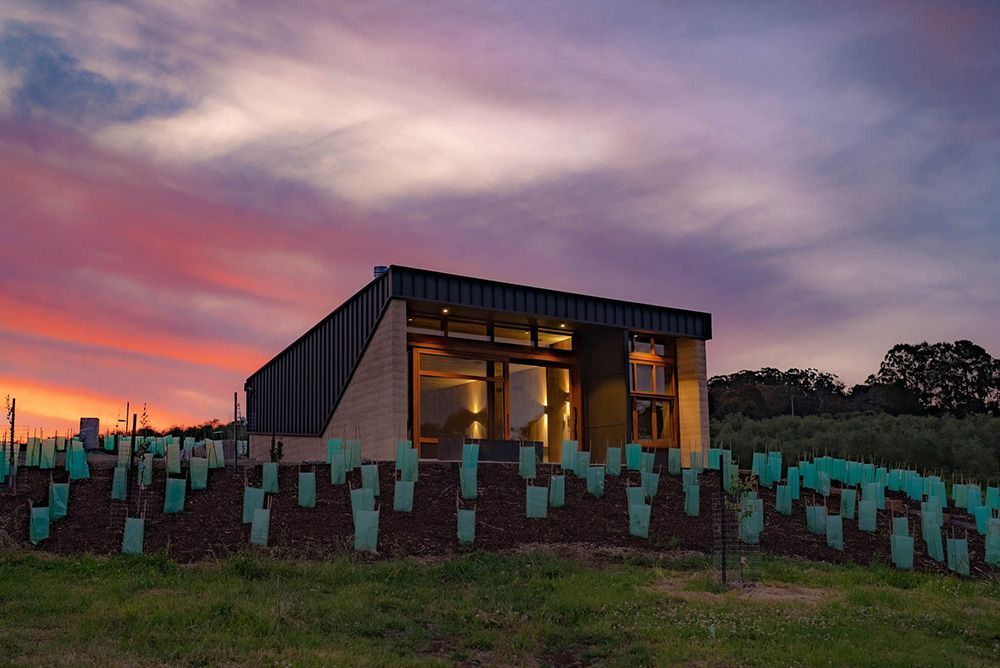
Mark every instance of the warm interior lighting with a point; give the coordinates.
(562, 325)
(444, 310)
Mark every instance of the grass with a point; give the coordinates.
(529, 608)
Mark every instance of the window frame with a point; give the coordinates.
(503, 355)
(666, 396)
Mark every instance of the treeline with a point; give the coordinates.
(968, 447)
(958, 379)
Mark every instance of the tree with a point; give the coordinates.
(960, 378)
(770, 392)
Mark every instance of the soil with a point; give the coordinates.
(211, 525)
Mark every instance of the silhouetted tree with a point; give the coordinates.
(960, 378)
(770, 392)
(957, 378)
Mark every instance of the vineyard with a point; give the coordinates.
(313, 511)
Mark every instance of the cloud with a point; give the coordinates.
(120, 267)
(43, 79)
(364, 137)
(205, 180)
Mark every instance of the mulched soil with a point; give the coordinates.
(211, 524)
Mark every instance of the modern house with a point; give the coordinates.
(438, 358)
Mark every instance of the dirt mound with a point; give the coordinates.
(211, 524)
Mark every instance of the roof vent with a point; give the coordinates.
(380, 269)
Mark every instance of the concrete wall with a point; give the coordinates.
(604, 386)
(374, 404)
(692, 399)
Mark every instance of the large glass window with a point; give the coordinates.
(652, 373)
(460, 396)
(454, 406)
(540, 406)
(499, 398)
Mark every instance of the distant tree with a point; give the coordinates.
(960, 378)
(770, 392)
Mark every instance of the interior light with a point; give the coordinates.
(444, 310)
(562, 325)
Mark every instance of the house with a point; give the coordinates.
(434, 358)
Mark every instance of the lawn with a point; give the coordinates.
(534, 607)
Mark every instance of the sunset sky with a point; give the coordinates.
(187, 186)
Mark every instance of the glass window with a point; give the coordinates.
(540, 407)
(641, 344)
(654, 421)
(642, 378)
(462, 329)
(519, 336)
(527, 402)
(454, 406)
(458, 365)
(644, 419)
(660, 346)
(664, 380)
(558, 340)
(664, 421)
(422, 324)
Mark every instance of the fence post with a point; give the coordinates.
(722, 516)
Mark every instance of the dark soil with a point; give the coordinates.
(211, 524)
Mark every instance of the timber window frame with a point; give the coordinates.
(652, 382)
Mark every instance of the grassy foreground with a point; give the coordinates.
(529, 608)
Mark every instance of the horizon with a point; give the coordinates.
(185, 194)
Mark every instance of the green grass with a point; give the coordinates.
(531, 608)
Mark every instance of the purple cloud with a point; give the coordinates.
(823, 179)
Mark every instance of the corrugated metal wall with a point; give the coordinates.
(295, 392)
(472, 292)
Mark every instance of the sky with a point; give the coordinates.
(187, 186)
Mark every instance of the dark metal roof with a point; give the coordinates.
(297, 391)
(433, 286)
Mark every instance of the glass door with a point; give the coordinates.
(541, 406)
